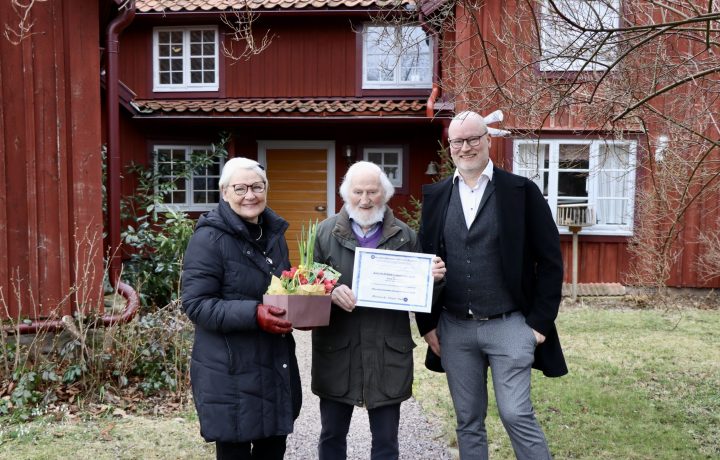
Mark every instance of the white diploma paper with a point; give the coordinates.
(395, 280)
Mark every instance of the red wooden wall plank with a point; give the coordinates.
(50, 111)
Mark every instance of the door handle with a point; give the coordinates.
(320, 208)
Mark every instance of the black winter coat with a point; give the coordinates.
(245, 381)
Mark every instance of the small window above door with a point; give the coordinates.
(389, 159)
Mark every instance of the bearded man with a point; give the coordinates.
(364, 356)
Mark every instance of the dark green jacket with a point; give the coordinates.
(363, 357)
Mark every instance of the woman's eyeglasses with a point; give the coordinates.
(242, 189)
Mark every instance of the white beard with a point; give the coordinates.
(365, 217)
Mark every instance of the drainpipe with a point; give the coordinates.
(113, 138)
(55, 325)
(430, 104)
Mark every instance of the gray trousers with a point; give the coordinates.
(507, 346)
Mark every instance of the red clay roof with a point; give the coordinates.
(285, 107)
(145, 6)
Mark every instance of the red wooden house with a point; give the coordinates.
(346, 80)
(339, 81)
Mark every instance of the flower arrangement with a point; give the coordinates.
(308, 278)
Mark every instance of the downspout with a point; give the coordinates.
(430, 104)
(113, 140)
(55, 325)
(113, 128)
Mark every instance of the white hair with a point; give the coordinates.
(366, 166)
(232, 165)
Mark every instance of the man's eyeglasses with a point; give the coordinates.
(242, 189)
(472, 141)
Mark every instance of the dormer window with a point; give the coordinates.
(575, 38)
(396, 57)
(185, 59)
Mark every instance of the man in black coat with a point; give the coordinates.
(502, 290)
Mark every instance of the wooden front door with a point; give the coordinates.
(298, 189)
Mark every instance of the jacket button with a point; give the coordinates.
(284, 366)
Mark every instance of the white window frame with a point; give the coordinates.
(556, 41)
(596, 170)
(186, 85)
(396, 55)
(189, 205)
(397, 181)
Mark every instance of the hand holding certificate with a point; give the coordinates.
(394, 280)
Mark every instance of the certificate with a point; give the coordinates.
(394, 280)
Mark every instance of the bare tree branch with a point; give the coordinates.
(23, 29)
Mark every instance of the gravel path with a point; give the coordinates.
(418, 438)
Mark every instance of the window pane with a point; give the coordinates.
(391, 158)
(612, 212)
(380, 40)
(531, 160)
(566, 46)
(375, 157)
(614, 156)
(401, 54)
(574, 156)
(195, 49)
(572, 184)
(199, 197)
(380, 68)
(195, 77)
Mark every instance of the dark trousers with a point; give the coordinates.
(335, 419)
(272, 448)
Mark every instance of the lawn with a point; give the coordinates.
(643, 384)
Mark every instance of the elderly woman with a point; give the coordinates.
(364, 356)
(245, 378)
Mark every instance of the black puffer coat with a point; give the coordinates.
(245, 381)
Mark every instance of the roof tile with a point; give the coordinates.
(146, 6)
(285, 106)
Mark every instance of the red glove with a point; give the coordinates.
(269, 321)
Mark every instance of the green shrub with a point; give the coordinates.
(157, 235)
